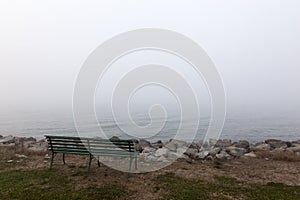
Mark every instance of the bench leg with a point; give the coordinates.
(64, 159)
(90, 161)
(52, 158)
(98, 162)
(129, 170)
(135, 162)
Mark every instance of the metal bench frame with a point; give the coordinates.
(93, 147)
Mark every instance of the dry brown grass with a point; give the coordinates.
(279, 155)
(9, 152)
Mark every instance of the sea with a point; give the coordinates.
(254, 128)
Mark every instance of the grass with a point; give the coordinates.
(46, 184)
(279, 155)
(222, 188)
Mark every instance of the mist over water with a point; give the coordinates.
(237, 127)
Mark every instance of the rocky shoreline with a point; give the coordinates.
(159, 151)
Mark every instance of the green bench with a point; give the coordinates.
(93, 147)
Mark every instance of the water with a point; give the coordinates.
(251, 128)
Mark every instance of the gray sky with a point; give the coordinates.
(254, 44)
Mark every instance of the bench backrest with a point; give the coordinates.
(84, 145)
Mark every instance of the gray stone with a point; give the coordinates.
(243, 144)
(1, 136)
(202, 155)
(114, 138)
(161, 152)
(173, 144)
(277, 143)
(223, 155)
(214, 151)
(296, 142)
(250, 155)
(191, 152)
(294, 149)
(7, 140)
(223, 143)
(149, 150)
(142, 144)
(158, 144)
(262, 146)
(235, 151)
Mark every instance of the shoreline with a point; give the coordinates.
(218, 149)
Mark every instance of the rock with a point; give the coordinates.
(243, 144)
(7, 140)
(191, 152)
(202, 155)
(296, 142)
(21, 156)
(173, 144)
(158, 144)
(161, 159)
(194, 146)
(223, 155)
(250, 155)
(294, 149)
(181, 150)
(295, 145)
(277, 143)
(235, 151)
(262, 146)
(8, 145)
(150, 158)
(186, 158)
(47, 157)
(149, 150)
(161, 152)
(1, 136)
(214, 151)
(223, 143)
(114, 138)
(10, 161)
(140, 146)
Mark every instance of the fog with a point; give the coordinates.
(254, 44)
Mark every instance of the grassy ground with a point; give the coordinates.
(260, 178)
(46, 184)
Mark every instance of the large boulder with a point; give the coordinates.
(250, 155)
(294, 149)
(223, 155)
(223, 143)
(157, 144)
(140, 146)
(161, 152)
(173, 144)
(214, 151)
(202, 155)
(191, 152)
(262, 147)
(274, 144)
(236, 151)
(243, 144)
(7, 140)
(296, 142)
(149, 150)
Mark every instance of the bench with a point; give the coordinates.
(93, 147)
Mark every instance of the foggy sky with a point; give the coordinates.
(254, 44)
